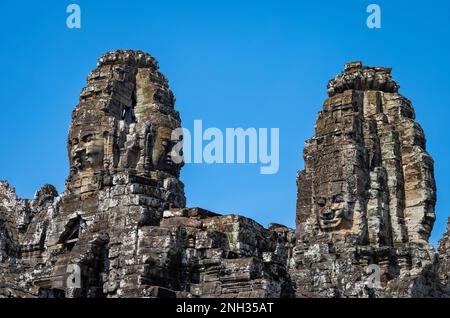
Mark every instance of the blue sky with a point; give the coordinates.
(230, 64)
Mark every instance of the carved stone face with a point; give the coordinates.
(87, 151)
(23, 218)
(427, 223)
(163, 144)
(332, 210)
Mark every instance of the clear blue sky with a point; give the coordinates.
(231, 64)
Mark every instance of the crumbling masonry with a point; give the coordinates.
(365, 206)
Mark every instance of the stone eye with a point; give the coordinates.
(321, 202)
(338, 198)
(75, 141)
(87, 138)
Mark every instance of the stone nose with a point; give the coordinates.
(336, 205)
(431, 215)
(78, 154)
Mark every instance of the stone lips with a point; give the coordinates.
(121, 228)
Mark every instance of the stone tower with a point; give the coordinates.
(368, 187)
(121, 174)
(121, 178)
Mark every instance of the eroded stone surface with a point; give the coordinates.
(444, 257)
(121, 228)
(367, 194)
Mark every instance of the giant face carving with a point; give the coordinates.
(333, 210)
(427, 222)
(87, 151)
(162, 148)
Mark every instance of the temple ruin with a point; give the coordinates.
(365, 204)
